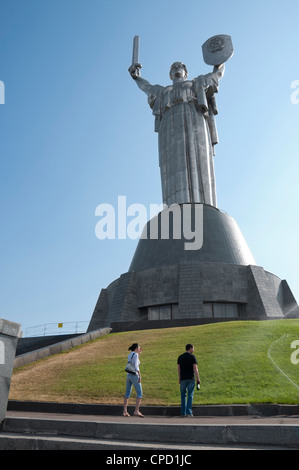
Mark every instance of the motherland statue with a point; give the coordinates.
(206, 273)
(185, 121)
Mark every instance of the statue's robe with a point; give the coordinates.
(184, 119)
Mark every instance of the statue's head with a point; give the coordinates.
(178, 70)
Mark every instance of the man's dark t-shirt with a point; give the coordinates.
(186, 362)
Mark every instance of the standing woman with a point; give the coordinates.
(133, 378)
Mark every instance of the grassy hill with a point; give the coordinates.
(239, 362)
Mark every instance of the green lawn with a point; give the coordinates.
(239, 362)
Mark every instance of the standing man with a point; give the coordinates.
(187, 367)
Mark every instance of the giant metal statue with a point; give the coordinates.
(185, 121)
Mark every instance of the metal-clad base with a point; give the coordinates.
(171, 285)
(222, 240)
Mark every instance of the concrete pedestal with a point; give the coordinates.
(169, 285)
(9, 333)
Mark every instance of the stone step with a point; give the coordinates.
(11, 441)
(184, 434)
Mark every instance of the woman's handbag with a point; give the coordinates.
(130, 368)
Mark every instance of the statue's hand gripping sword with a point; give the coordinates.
(134, 69)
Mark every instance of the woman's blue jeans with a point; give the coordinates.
(187, 388)
(133, 380)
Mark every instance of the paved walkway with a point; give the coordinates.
(212, 420)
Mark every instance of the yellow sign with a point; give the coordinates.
(60, 325)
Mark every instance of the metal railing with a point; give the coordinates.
(57, 329)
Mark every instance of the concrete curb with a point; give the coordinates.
(116, 410)
(58, 347)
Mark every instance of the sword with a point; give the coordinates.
(136, 66)
(136, 42)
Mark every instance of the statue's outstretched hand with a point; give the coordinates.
(134, 70)
(219, 70)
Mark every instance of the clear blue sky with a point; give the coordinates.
(76, 132)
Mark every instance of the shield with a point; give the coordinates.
(218, 49)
